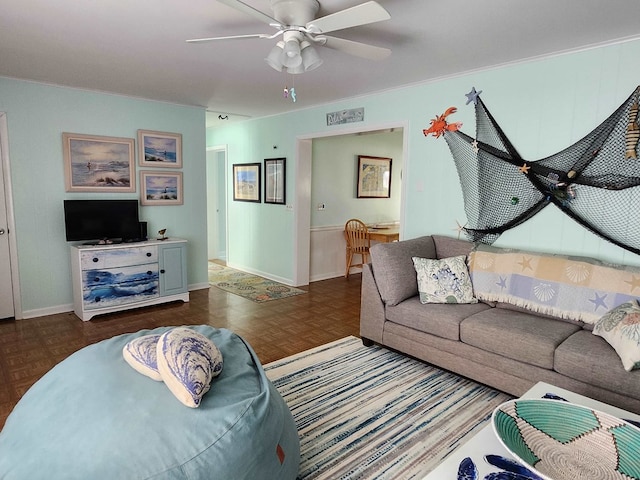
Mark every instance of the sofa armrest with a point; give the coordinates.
(371, 307)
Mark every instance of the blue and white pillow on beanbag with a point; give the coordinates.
(184, 359)
(140, 353)
(188, 361)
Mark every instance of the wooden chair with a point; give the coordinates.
(357, 235)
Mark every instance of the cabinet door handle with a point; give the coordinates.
(162, 271)
(148, 254)
(97, 279)
(149, 272)
(95, 259)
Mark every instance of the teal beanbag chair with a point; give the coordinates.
(94, 417)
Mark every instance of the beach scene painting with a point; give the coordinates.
(98, 164)
(246, 182)
(160, 188)
(159, 149)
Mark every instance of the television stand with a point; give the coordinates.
(113, 277)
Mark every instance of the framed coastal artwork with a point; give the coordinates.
(246, 182)
(374, 177)
(161, 188)
(159, 149)
(98, 164)
(274, 180)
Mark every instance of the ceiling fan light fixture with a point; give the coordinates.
(275, 59)
(310, 58)
(292, 57)
(296, 70)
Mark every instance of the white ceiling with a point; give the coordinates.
(138, 48)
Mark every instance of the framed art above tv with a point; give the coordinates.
(98, 164)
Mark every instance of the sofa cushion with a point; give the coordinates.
(575, 288)
(440, 319)
(451, 247)
(589, 358)
(620, 327)
(519, 336)
(444, 280)
(393, 267)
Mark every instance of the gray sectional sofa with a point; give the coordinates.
(499, 344)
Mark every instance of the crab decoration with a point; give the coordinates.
(439, 124)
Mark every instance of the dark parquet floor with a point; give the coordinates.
(329, 311)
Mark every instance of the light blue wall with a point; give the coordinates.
(543, 107)
(334, 179)
(37, 115)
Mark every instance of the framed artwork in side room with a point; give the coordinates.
(246, 182)
(95, 163)
(275, 180)
(159, 149)
(161, 188)
(374, 177)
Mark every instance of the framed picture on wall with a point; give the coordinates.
(98, 164)
(246, 182)
(275, 180)
(159, 149)
(374, 177)
(161, 188)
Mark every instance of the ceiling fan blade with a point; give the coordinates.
(249, 10)
(231, 37)
(357, 49)
(365, 13)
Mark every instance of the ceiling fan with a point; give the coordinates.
(295, 21)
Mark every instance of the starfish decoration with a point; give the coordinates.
(524, 168)
(525, 263)
(459, 228)
(472, 96)
(633, 283)
(599, 301)
(474, 146)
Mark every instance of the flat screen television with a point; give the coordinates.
(95, 220)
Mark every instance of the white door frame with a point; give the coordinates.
(223, 149)
(302, 195)
(11, 225)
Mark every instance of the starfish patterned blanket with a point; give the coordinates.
(574, 288)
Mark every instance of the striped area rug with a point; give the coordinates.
(368, 412)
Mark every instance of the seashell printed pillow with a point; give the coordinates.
(620, 327)
(444, 281)
(140, 353)
(188, 362)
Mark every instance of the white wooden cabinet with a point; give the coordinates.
(111, 278)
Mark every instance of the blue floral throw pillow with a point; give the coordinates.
(620, 327)
(140, 353)
(188, 361)
(444, 281)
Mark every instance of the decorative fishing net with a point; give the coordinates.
(593, 181)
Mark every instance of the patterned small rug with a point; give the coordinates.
(368, 412)
(249, 286)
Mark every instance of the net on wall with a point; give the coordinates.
(594, 181)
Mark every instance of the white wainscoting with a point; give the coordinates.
(328, 253)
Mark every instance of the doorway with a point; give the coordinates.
(9, 284)
(216, 203)
(302, 212)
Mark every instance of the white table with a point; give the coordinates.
(486, 442)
